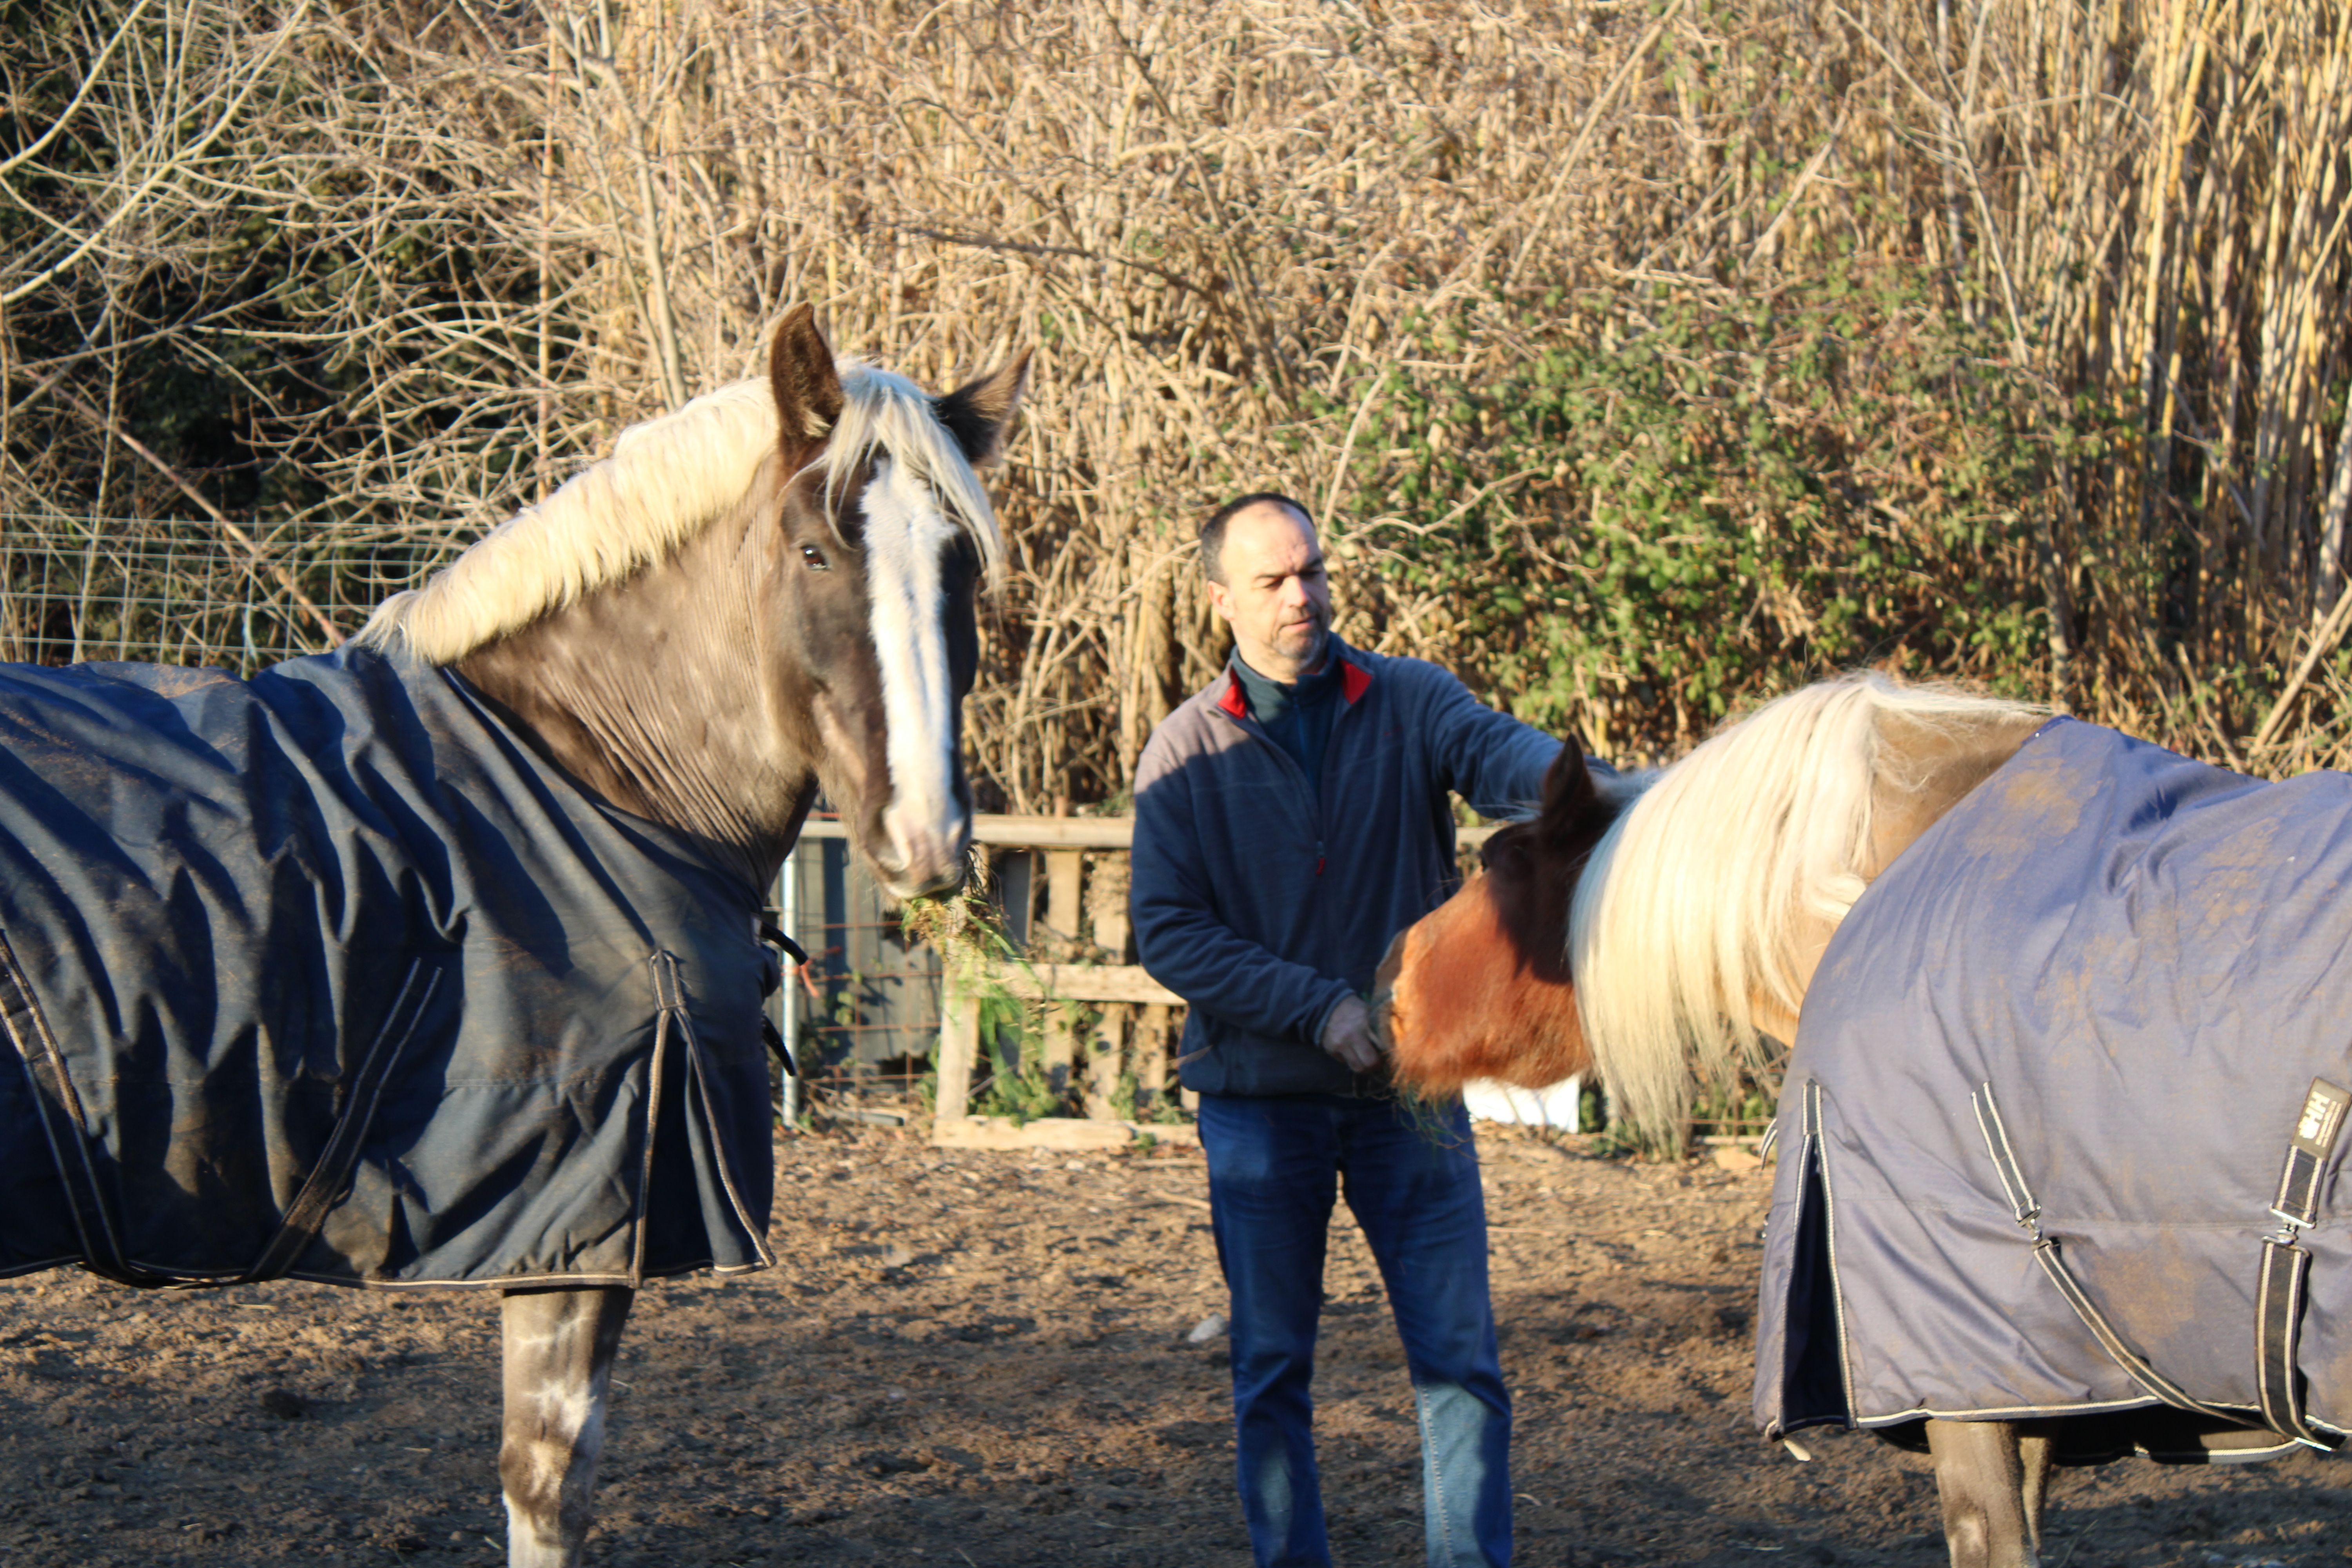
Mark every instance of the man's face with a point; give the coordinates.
(1274, 593)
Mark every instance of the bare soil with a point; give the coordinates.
(982, 1359)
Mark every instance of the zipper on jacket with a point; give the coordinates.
(1257, 731)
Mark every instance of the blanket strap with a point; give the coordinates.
(773, 935)
(66, 1127)
(2287, 1265)
(2027, 1214)
(323, 1187)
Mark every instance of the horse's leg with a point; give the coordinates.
(2037, 1447)
(559, 1368)
(1980, 1475)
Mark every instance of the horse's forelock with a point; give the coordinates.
(884, 413)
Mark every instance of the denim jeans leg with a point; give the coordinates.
(1271, 1187)
(1414, 1190)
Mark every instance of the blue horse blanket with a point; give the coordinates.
(2085, 1009)
(327, 973)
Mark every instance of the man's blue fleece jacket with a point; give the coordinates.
(1262, 901)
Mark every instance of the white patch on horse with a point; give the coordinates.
(906, 533)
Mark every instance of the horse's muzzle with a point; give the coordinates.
(920, 861)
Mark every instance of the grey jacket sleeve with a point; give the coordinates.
(1495, 762)
(1187, 948)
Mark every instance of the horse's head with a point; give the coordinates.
(1480, 988)
(882, 541)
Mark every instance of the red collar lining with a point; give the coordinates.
(1354, 681)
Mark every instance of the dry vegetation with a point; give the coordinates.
(1643, 355)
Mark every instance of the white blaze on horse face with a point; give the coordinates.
(906, 535)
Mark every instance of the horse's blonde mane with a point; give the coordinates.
(1713, 892)
(667, 479)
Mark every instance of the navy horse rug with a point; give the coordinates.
(326, 973)
(2060, 1133)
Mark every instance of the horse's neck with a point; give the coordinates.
(652, 693)
(1923, 771)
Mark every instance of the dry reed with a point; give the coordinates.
(435, 256)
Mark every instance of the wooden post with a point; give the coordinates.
(1061, 1046)
(1065, 874)
(958, 1050)
(1152, 1053)
(1107, 882)
(1106, 1051)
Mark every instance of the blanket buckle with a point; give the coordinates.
(2287, 1265)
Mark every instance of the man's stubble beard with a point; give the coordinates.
(1308, 640)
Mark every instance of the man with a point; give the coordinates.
(1289, 820)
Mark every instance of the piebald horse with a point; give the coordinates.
(1664, 929)
(767, 592)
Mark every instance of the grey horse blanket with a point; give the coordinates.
(326, 973)
(2058, 1134)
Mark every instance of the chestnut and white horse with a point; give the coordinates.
(768, 592)
(1668, 929)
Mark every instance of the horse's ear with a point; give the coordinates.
(800, 373)
(1568, 792)
(978, 413)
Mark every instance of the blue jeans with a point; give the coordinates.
(1274, 1165)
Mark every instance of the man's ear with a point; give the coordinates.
(1220, 599)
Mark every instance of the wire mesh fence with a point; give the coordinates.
(180, 591)
(869, 1000)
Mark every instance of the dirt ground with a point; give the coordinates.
(982, 1359)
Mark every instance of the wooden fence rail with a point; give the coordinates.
(1137, 1009)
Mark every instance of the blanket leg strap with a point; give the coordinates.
(323, 1187)
(2287, 1265)
(2046, 1253)
(66, 1128)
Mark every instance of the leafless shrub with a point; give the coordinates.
(437, 255)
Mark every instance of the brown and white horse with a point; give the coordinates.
(1660, 929)
(769, 591)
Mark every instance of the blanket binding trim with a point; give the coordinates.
(766, 1260)
(1817, 1151)
(670, 998)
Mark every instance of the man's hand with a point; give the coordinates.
(1348, 1035)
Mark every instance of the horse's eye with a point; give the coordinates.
(816, 557)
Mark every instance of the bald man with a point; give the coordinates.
(1290, 819)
